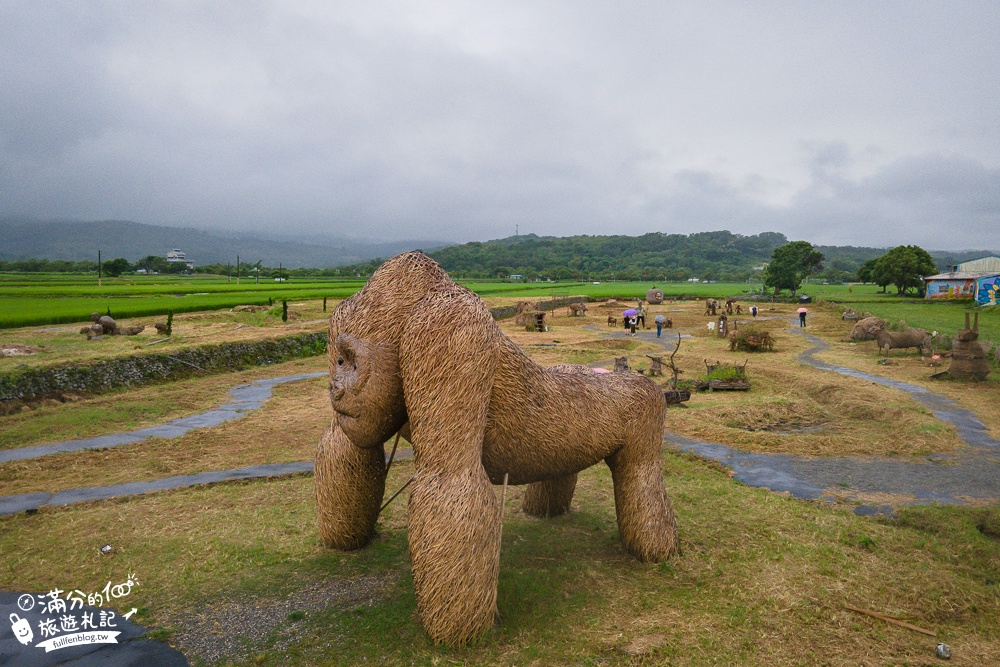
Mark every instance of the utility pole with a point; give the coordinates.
(98, 268)
(237, 269)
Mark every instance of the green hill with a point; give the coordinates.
(718, 255)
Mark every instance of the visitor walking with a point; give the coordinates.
(640, 315)
(753, 311)
(802, 316)
(659, 319)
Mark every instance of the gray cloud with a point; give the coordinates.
(859, 123)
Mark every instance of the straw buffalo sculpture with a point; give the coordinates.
(413, 351)
(918, 338)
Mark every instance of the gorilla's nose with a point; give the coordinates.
(337, 390)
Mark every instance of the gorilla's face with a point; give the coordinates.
(366, 390)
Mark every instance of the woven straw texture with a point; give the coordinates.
(414, 349)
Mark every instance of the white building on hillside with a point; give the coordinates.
(179, 256)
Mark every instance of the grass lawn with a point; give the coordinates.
(763, 579)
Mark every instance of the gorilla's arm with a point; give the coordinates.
(349, 485)
(454, 518)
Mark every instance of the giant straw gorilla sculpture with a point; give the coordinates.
(414, 350)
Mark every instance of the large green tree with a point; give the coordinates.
(791, 264)
(904, 266)
(116, 267)
(865, 270)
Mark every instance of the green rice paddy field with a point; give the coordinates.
(44, 299)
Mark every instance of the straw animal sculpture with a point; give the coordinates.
(107, 323)
(525, 314)
(918, 338)
(866, 329)
(412, 350)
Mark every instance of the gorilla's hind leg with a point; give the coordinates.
(550, 497)
(646, 520)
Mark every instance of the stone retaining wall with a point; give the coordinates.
(503, 312)
(34, 383)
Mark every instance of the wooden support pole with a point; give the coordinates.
(889, 619)
(386, 503)
(393, 454)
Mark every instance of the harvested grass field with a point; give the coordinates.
(63, 343)
(234, 573)
(791, 408)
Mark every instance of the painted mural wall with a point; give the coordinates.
(988, 290)
(951, 289)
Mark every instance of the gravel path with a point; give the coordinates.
(25, 502)
(233, 630)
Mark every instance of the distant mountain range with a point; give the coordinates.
(24, 238)
(717, 254)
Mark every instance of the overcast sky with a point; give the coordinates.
(861, 123)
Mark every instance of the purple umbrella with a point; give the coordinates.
(631, 312)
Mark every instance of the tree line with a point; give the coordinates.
(154, 264)
(704, 255)
(903, 266)
(721, 255)
(767, 258)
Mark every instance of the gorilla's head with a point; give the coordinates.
(366, 390)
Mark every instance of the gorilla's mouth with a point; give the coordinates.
(346, 413)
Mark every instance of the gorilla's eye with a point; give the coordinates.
(355, 367)
(340, 361)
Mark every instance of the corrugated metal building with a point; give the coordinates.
(983, 265)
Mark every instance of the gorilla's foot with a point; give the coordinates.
(650, 534)
(549, 498)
